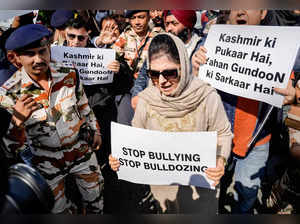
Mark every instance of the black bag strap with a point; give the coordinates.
(140, 50)
(77, 84)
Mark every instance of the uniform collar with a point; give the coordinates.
(27, 82)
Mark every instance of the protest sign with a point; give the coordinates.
(8, 14)
(90, 62)
(249, 61)
(163, 158)
(7, 17)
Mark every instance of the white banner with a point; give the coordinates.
(7, 17)
(249, 61)
(90, 62)
(8, 14)
(163, 158)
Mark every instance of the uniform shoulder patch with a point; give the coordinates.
(12, 82)
(59, 68)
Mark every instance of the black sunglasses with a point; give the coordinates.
(79, 37)
(167, 74)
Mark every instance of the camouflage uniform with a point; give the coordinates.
(128, 45)
(52, 133)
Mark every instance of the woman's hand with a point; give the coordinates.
(215, 174)
(114, 163)
(114, 66)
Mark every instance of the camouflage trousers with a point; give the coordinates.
(78, 160)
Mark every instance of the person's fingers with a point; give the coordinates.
(114, 163)
(289, 90)
(201, 53)
(111, 159)
(31, 105)
(214, 179)
(28, 100)
(110, 27)
(199, 61)
(214, 174)
(115, 28)
(24, 97)
(114, 66)
(34, 108)
(106, 27)
(203, 49)
(281, 91)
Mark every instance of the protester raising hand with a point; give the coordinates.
(109, 33)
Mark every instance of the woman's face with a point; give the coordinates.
(168, 79)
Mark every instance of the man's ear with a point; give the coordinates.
(263, 14)
(14, 58)
(10, 55)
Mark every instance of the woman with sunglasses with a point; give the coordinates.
(177, 101)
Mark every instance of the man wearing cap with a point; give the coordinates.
(50, 112)
(180, 23)
(133, 43)
(58, 21)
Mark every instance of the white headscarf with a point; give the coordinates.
(189, 93)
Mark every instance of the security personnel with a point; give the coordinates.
(50, 112)
(59, 19)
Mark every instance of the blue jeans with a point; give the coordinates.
(249, 172)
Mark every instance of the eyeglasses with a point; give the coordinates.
(170, 74)
(79, 37)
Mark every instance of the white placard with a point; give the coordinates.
(7, 17)
(249, 61)
(163, 158)
(90, 62)
(8, 14)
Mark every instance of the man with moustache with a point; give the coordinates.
(49, 110)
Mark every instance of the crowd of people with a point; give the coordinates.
(61, 126)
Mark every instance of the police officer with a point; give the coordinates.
(49, 111)
(59, 19)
